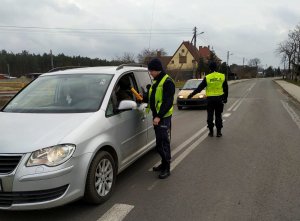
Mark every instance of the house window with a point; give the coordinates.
(182, 50)
(172, 62)
(182, 59)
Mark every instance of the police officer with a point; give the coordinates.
(217, 93)
(160, 100)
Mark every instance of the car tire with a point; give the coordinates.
(179, 107)
(101, 179)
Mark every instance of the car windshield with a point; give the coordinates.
(191, 84)
(78, 93)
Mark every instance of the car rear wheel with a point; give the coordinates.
(179, 107)
(101, 178)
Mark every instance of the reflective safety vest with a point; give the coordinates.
(214, 83)
(159, 96)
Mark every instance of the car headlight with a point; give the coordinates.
(180, 96)
(51, 156)
(201, 96)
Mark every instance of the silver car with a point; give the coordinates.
(69, 133)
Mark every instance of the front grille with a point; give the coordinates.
(9, 198)
(8, 163)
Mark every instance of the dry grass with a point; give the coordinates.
(11, 85)
(4, 100)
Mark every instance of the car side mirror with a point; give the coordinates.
(127, 105)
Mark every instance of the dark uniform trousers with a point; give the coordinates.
(163, 136)
(214, 106)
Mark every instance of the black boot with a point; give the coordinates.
(219, 134)
(164, 174)
(158, 168)
(211, 132)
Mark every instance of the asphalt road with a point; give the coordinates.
(251, 173)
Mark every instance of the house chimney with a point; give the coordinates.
(208, 47)
(200, 47)
(158, 54)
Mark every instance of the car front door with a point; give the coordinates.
(130, 126)
(144, 82)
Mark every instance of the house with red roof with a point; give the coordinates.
(184, 63)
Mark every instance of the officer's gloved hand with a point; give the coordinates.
(224, 100)
(190, 96)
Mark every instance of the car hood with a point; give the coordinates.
(185, 93)
(27, 132)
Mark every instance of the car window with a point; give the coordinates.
(62, 94)
(121, 92)
(191, 84)
(144, 80)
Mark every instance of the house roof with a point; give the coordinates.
(204, 52)
(192, 49)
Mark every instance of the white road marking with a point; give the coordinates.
(226, 114)
(237, 106)
(229, 109)
(183, 145)
(187, 151)
(153, 185)
(292, 113)
(177, 160)
(117, 213)
(238, 102)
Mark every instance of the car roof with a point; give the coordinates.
(113, 70)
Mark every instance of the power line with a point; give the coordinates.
(11, 27)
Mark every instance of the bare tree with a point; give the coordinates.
(286, 48)
(126, 58)
(150, 53)
(254, 62)
(294, 36)
(290, 52)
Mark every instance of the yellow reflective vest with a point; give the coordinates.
(159, 96)
(214, 83)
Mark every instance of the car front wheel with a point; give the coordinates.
(101, 178)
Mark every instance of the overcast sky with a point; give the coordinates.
(106, 29)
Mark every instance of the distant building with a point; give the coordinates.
(164, 59)
(245, 71)
(4, 76)
(183, 64)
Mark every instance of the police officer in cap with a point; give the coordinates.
(217, 93)
(160, 100)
